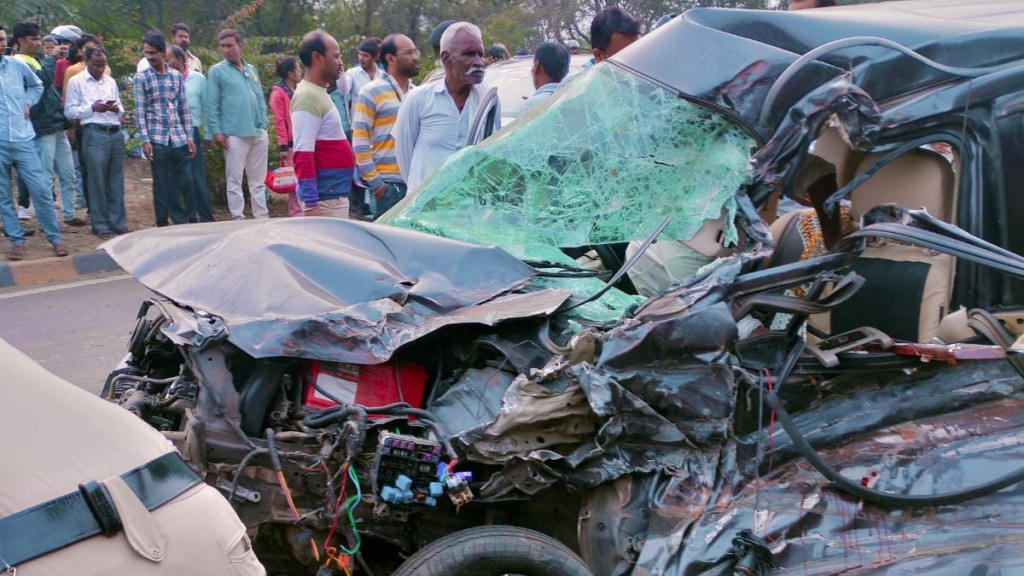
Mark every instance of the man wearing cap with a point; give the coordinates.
(573, 46)
(433, 122)
(435, 42)
(20, 88)
(550, 65)
(367, 71)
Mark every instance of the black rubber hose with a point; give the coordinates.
(343, 412)
(355, 442)
(876, 496)
(275, 458)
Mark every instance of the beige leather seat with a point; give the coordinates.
(908, 288)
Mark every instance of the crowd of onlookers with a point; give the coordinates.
(366, 133)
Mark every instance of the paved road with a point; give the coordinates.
(77, 330)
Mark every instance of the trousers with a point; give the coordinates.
(248, 155)
(103, 164)
(55, 157)
(172, 184)
(200, 209)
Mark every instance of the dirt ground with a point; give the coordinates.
(138, 200)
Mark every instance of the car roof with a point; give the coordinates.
(733, 55)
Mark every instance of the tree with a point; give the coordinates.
(49, 13)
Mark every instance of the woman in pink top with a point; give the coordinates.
(280, 106)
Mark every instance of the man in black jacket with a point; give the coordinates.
(49, 123)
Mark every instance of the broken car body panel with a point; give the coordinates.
(329, 289)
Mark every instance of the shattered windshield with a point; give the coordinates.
(603, 160)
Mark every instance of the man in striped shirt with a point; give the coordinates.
(374, 115)
(165, 128)
(324, 162)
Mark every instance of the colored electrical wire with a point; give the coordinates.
(287, 495)
(337, 508)
(449, 469)
(350, 507)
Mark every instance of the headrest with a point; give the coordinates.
(919, 178)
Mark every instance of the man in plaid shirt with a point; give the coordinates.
(161, 111)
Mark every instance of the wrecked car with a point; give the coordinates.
(414, 395)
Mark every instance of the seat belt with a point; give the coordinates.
(74, 517)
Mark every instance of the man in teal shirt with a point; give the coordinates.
(236, 115)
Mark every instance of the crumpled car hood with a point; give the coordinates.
(329, 289)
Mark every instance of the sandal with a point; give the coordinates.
(17, 252)
(60, 249)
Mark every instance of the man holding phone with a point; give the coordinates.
(93, 98)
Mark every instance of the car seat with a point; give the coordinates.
(908, 288)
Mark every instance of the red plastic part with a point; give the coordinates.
(366, 385)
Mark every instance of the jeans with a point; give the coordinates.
(200, 208)
(23, 157)
(249, 155)
(394, 192)
(172, 183)
(54, 152)
(104, 164)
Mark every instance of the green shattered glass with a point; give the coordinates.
(602, 161)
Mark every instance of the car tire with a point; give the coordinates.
(494, 551)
